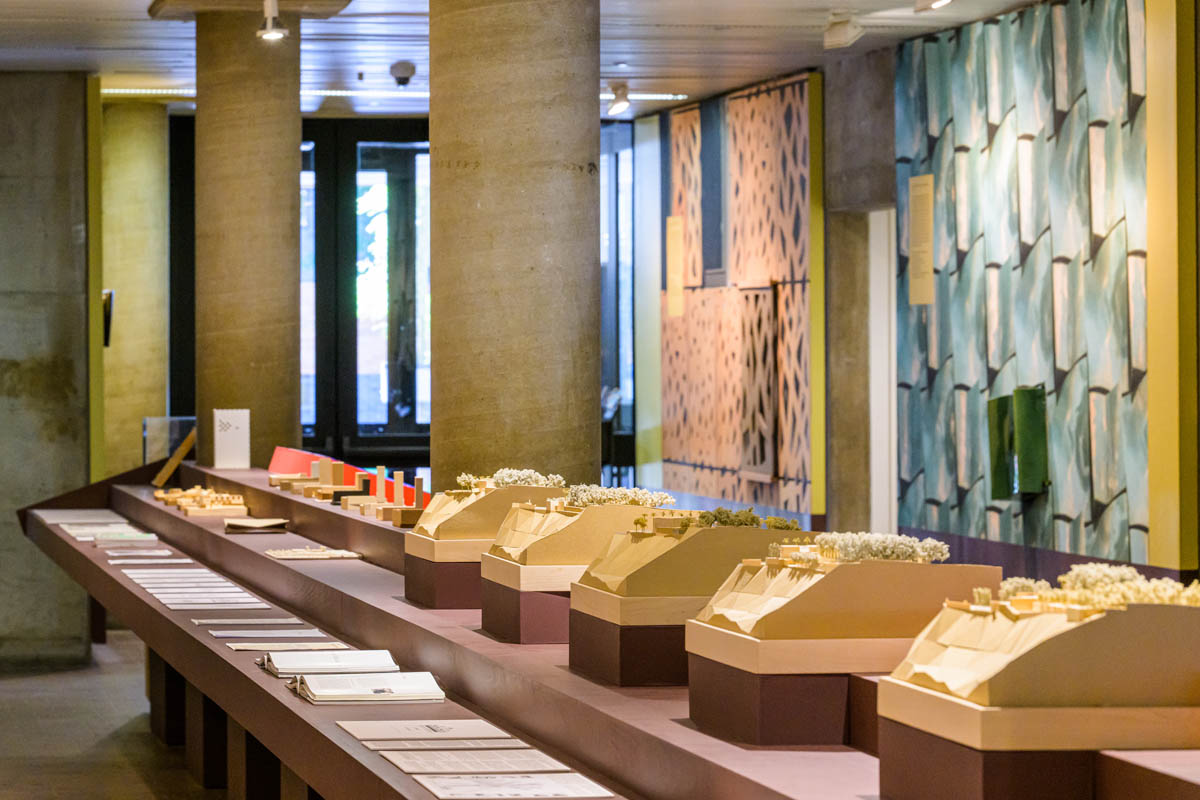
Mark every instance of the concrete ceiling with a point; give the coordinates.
(690, 47)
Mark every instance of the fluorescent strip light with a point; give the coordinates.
(650, 97)
(187, 91)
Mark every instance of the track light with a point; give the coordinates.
(930, 5)
(271, 30)
(620, 101)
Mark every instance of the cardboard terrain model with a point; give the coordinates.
(199, 501)
(661, 576)
(784, 616)
(460, 525)
(1024, 674)
(538, 552)
(551, 545)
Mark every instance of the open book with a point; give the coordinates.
(290, 663)
(373, 687)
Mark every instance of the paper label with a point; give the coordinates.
(920, 240)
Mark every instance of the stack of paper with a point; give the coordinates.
(430, 734)
(290, 664)
(88, 531)
(459, 761)
(181, 588)
(373, 687)
(321, 552)
(58, 516)
(122, 537)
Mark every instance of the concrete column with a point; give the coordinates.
(847, 297)
(248, 229)
(134, 178)
(515, 277)
(43, 351)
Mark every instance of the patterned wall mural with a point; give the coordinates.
(1033, 125)
(736, 364)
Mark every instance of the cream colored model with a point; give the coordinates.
(808, 611)
(1089, 666)
(662, 575)
(546, 548)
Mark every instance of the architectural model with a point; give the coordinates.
(540, 550)
(199, 501)
(1105, 661)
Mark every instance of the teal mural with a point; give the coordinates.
(1033, 125)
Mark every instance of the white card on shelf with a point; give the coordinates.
(303, 633)
(500, 787)
(231, 438)
(149, 560)
(422, 729)
(452, 762)
(281, 646)
(214, 607)
(251, 621)
(444, 744)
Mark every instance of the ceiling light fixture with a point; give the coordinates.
(929, 5)
(842, 31)
(620, 101)
(406, 94)
(271, 30)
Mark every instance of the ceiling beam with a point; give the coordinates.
(187, 9)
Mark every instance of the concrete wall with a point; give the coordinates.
(135, 268)
(43, 351)
(860, 161)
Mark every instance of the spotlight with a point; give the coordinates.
(842, 32)
(271, 30)
(620, 101)
(929, 5)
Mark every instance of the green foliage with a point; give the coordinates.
(746, 518)
(781, 524)
(640, 523)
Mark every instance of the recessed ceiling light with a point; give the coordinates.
(271, 30)
(621, 65)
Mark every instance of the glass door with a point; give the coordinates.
(365, 385)
(391, 292)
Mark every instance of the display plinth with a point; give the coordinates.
(916, 765)
(442, 574)
(627, 655)
(767, 709)
(784, 692)
(527, 604)
(630, 641)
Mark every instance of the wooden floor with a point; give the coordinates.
(85, 733)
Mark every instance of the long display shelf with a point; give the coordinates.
(302, 736)
(640, 736)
